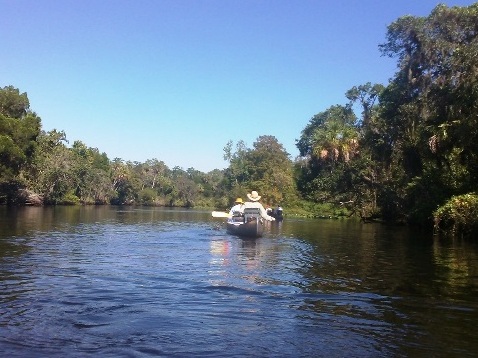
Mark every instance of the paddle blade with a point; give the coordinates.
(220, 214)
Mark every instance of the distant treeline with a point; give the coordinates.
(410, 156)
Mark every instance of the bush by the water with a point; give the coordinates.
(458, 216)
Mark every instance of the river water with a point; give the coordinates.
(147, 282)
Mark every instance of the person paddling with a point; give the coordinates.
(253, 202)
(238, 208)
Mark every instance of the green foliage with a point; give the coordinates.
(13, 104)
(147, 196)
(366, 95)
(51, 174)
(69, 199)
(415, 144)
(19, 128)
(330, 142)
(458, 216)
(265, 168)
(429, 109)
(330, 135)
(41, 164)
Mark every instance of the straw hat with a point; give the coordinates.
(253, 196)
(239, 200)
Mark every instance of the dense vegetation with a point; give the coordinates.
(410, 156)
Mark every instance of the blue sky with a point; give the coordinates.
(176, 80)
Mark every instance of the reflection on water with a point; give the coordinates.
(108, 281)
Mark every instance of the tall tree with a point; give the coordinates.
(266, 168)
(430, 122)
(52, 173)
(122, 182)
(91, 170)
(19, 128)
(271, 170)
(329, 141)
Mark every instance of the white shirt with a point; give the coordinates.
(237, 208)
(256, 204)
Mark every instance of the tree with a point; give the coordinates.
(366, 96)
(329, 142)
(121, 182)
(331, 135)
(52, 173)
(91, 170)
(271, 170)
(19, 128)
(430, 126)
(266, 168)
(238, 171)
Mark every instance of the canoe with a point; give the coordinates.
(250, 224)
(276, 214)
(253, 228)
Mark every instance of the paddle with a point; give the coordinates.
(220, 214)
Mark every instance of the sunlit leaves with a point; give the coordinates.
(19, 128)
(331, 135)
(458, 216)
(265, 168)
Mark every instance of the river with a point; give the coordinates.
(153, 282)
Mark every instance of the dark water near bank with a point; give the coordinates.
(129, 282)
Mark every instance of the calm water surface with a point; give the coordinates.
(141, 282)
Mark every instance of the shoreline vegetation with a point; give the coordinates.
(28, 198)
(410, 156)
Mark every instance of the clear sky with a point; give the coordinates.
(176, 80)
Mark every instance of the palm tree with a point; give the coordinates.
(336, 139)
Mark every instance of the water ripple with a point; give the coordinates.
(141, 285)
